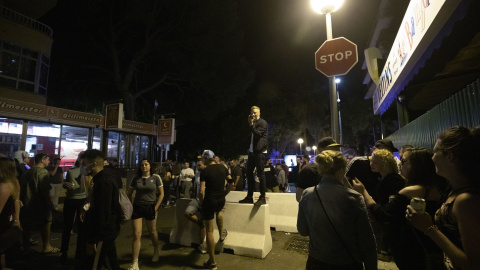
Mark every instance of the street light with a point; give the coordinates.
(300, 141)
(327, 7)
(314, 150)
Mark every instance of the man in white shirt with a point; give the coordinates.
(186, 176)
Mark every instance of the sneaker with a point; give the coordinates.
(246, 200)
(209, 265)
(221, 241)
(261, 201)
(133, 267)
(202, 249)
(156, 256)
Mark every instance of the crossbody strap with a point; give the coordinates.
(333, 226)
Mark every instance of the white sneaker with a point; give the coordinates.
(202, 249)
(133, 267)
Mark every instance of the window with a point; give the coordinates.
(18, 68)
(10, 136)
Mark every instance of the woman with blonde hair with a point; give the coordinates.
(9, 207)
(336, 221)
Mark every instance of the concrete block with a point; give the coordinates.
(248, 229)
(283, 208)
(184, 232)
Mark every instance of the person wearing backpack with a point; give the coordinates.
(145, 205)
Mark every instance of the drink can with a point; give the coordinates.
(418, 204)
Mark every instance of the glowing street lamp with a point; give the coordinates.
(314, 150)
(300, 141)
(327, 7)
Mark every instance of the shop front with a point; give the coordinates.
(37, 128)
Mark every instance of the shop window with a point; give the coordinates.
(42, 138)
(10, 136)
(74, 141)
(112, 147)
(144, 146)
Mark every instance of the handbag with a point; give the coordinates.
(125, 205)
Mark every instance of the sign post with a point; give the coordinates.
(335, 57)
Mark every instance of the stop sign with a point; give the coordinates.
(336, 57)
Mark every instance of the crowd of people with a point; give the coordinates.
(354, 212)
(421, 209)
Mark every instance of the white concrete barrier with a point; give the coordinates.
(283, 208)
(184, 232)
(248, 229)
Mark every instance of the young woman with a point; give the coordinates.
(145, 206)
(335, 218)
(456, 157)
(9, 205)
(410, 249)
(391, 183)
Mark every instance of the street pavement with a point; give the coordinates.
(173, 256)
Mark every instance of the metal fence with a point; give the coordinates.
(462, 109)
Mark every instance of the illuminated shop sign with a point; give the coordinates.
(32, 111)
(421, 24)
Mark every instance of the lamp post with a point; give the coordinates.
(300, 141)
(327, 7)
(314, 150)
(337, 81)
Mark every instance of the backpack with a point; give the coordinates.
(126, 206)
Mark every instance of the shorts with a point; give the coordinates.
(194, 209)
(144, 210)
(212, 206)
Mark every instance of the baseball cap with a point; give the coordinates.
(386, 144)
(20, 155)
(327, 142)
(208, 154)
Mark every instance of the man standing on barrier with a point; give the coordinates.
(256, 155)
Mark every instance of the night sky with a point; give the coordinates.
(281, 38)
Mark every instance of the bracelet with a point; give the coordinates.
(433, 227)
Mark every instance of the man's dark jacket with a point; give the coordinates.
(103, 217)
(259, 131)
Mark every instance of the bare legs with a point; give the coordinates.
(210, 241)
(137, 236)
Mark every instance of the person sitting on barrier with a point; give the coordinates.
(335, 219)
(212, 199)
(146, 204)
(194, 214)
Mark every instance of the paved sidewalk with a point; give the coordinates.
(174, 256)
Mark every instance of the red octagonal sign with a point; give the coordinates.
(336, 57)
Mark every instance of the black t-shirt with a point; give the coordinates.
(359, 167)
(237, 171)
(214, 176)
(309, 176)
(390, 185)
(270, 178)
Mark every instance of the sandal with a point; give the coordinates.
(53, 251)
